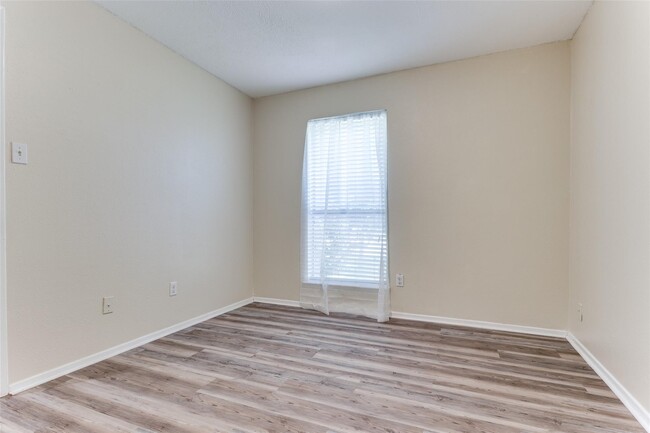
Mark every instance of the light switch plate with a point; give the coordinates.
(18, 153)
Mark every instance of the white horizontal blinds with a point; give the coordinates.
(344, 201)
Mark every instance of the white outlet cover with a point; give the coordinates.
(18, 153)
(173, 288)
(107, 305)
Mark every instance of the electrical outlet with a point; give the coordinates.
(580, 313)
(18, 153)
(399, 280)
(173, 288)
(107, 305)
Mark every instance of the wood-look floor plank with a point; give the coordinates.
(276, 369)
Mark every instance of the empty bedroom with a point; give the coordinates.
(325, 216)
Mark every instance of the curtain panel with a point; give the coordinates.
(344, 254)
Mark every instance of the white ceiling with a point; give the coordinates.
(270, 47)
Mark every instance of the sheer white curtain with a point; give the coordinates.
(344, 257)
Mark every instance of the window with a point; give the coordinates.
(344, 215)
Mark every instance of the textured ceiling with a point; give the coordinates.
(270, 47)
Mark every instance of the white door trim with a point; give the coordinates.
(4, 371)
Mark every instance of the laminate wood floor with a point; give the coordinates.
(266, 368)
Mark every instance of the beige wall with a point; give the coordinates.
(478, 184)
(139, 174)
(610, 190)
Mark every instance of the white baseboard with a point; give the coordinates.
(546, 332)
(276, 301)
(41, 378)
(638, 411)
(444, 320)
